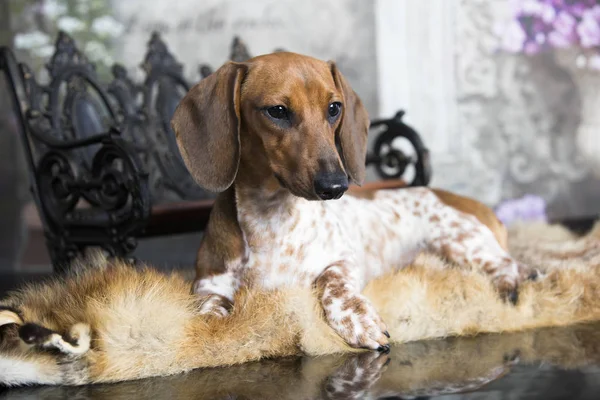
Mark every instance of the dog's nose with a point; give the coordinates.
(330, 186)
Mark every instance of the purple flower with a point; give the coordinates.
(532, 7)
(563, 33)
(527, 208)
(565, 24)
(558, 40)
(514, 37)
(539, 25)
(589, 28)
(548, 13)
(531, 48)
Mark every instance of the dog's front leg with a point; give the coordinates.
(216, 293)
(349, 313)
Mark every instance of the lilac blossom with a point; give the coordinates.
(528, 208)
(589, 28)
(543, 25)
(514, 37)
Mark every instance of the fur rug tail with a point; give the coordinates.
(108, 321)
(31, 354)
(24, 371)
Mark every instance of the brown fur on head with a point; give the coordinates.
(231, 119)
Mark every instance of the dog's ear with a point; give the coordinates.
(207, 127)
(353, 129)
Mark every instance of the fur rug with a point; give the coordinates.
(143, 322)
(414, 370)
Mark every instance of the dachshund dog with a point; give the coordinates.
(280, 137)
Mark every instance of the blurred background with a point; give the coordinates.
(506, 94)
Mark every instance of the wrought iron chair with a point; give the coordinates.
(103, 163)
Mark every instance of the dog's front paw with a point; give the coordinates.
(357, 322)
(215, 305)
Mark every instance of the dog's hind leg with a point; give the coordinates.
(462, 238)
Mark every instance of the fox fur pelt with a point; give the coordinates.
(109, 321)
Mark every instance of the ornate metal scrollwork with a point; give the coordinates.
(88, 183)
(163, 88)
(57, 180)
(67, 56)
(239, 50)
(390, 160)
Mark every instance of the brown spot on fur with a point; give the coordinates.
(463, 235)
(347, 322)
(301, 252)
(283, 267)
(295, 223)
(355, 304)
(434, 218)
(489, 267)
(338, 291)
(289, 250)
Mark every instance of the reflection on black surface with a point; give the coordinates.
(546, 364)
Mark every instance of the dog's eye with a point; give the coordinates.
(278, 112)
(334, 109)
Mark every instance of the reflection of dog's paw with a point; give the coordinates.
(358, 373)
(512, 358)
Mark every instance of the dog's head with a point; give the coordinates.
(297, 109)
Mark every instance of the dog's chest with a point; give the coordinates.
(294, 245)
